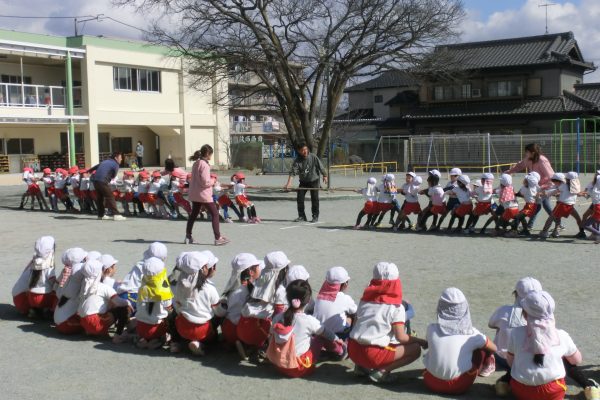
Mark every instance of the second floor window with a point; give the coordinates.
(378, 99)
(505, 88)
(136, 79)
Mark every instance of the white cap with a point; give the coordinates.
(372, 180)
(418, 180)
(244, 261)
(386, 271)
(487, 175)
(157, 250)
(337, 275)
(571, 175)
(506, 180)
(74, 255)
(533, 173)
(193, 261)
(153, 266)
(526, 285)
(390, 177)
(455, 171)
(411, 174)
(476, 182)
(539, 305)
(296, 272)
(276, 260)
(92, 268)
(532, 179)
(435, 172)
(559, 176)
(44, 246)
(107, 261)
(464, 179)
(94, 255)
(212, 259)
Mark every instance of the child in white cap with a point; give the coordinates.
(154, 303)
(333, 307)
(411, 205)
(509, 207)
(370, 208)
(245, 269)
(436, 201)
(591, 217)
(109, 269)
(33, 293)
(567, 191)
(462, 191)
(255, 323)
(66, 319)
(528, 192)
(453, 201)
(297, 338)
(378, 342)
(99, 305)
(386, 200)
(483, 192)
(197, 300)
(457, 350)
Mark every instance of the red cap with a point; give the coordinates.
(240, 175)
(143, 175)
(74, 169)
(27, 169)
(128, 173)
(83, 171)
(156, 174)
(47, 171)
(61, 171)
(214, 176)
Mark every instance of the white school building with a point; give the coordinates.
(122, 92)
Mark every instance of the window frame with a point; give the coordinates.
(20, 146)
(378, 98)
(134, 77)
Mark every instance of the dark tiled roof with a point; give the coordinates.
(386, 80)
(366, 113)
(405, 97)
(589, 91)
(531, 50)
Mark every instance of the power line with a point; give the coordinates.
(99, 18)
(45, 17)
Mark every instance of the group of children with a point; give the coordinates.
(499, 203)
(160, 193)
(267, 311)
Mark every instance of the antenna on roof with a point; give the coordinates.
(546, 5)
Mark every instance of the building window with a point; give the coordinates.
(64, 143)
(378, 99)
(466, 91)
(19, 146)
(438, 93)
(137, 80)
(505, 88)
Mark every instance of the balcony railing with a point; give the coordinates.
(255, 127)
(36, 96)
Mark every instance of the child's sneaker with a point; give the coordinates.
(555, 233)
(381, 376)
(581, 235)
(174, 347)
(511, 234)
(360, 371)
(229, 220)
(356, 227)
(488, 367)
(196, 348)
(592, 392)
(244, 219)
(119, 217)
(122, 338)
(221, 241)
(544, 234)
(257, 220)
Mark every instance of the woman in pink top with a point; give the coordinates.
(535, 161)
(200, 194)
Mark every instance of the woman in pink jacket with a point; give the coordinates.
(535, 161)
(200, 194)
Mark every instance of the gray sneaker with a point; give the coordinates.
(222, 241)
(544, 234)
(380, 376)
(555, 233)
(119, 217)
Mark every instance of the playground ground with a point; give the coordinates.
(37, 363)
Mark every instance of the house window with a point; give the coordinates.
(378, 99)
(19, 146)
(466, 91)
(64, 143)
(505, 88)
(137, 80)
(438, 93)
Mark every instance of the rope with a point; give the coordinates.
(296, 189)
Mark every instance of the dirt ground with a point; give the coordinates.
(36, 362)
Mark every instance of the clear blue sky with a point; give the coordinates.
(486, 7)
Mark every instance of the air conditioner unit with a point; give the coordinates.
(476, 93)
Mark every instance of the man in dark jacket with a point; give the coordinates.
(308, 167)
(106, 171)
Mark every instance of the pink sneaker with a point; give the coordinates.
(488, 367)
(221, 241)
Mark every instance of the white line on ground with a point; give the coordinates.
(314, 223)
(333, 230)
(290, 227)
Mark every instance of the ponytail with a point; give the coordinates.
(200, 281)
(35, 277)
(204, 151)
(298, 295)
(195, 156)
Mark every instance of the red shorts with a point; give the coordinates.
(596, 212)
(509, 213)
(97, 324)
(242, 201)
(21, 303)
(149, 332)
(60, 193)
(555, 390)
(457, 385)
(436, 210)
(72, 326)
(42, 300)
(411, 208)
(370, 207)
(253, 331)
(150, 198)
(224, 200)
(77, 193)
(562, 210)
(371, 357)
(463, 209)
(191, 331)
(229, 331)
(482, 208)
(50, 190)
(92, 195)
(384, 207)
(128, 197)
(306, 366)
(85, 194)
(33, 189)
(529, 209)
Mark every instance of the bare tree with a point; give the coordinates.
(303, 51)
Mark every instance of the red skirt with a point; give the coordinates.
(384, 207)
(482, 208)
(97, 324)
(437, 210)
(150, 198)
(149, 332)
(555, 390)
(411, 208)
(72, 326)
(242, 201)
(306, 366)
(370, 207)
(509, 213)
(463, 209)
(42, 300)
(596, 214)
(562, 210)
(371, 357)
(224, 200)
(33, 189)
(253, 331)
(191, 331)
(529, 209)
(229, 331)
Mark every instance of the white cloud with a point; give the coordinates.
(581, 19)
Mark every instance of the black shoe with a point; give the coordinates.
(581, 235)
(314, 219)
(300, 219)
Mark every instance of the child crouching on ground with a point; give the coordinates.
(334, 308)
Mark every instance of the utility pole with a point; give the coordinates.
(546, 5)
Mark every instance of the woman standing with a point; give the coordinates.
(200, 194)
(535, 161)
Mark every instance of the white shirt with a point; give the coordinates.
(483, 197)
(500, 321)
(529, 193)
(84, 184)
(45, 283)
(333, 314)
(565, 196)
(525, 371)
(594, 192)
(304, 327)
(235, 303)
(143, 187)
(449, 188)
(436, 193)
(97, 303)
(463, 196)
(411, 192)
(75, 179)
(61, 314)
(239, 189)
(60, 182)
(48, 181)
(385, 196)
(198, 309)
(371, 197)
(450, 356)
(133, 280)
(260, 310)
(374, 323)
(155, 186)
(159, 311)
